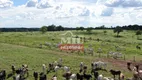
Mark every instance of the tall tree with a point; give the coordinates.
(117, 30)
(138, 33)
(43, 29)
(77, 28)
(59, 28)
(81, 28)
(51, 27)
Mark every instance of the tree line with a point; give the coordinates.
(18, 29)
(61, 28)
(126, 27)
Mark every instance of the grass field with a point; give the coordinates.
(22, 48)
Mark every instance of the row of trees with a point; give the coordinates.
(116, 29)
(126, 27)
(132, 27)
(18, 29)
(55, 28)
(43, 29)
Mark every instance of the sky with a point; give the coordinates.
(70, 13)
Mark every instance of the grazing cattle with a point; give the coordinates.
(54, 77)
(48, 44)
(85, 69)
(114, 73)
(79, 77)
(98, 64)
(96, 74)
(107, 78)
(56, 68)
(87, 76)
(67, 75)
(24, 70)
(66, 69)
(115, 55)
(13, 69)
(129, 66)
(81, 67)
(73, 77)
(42, 76)
(18, 77)
(137, 74)
(44, 68)
(122, 76)
(19, 71)
(9, 75)
(99, 50)
(137, 68)
(35, 74)
(50, 67)
(89, 50)
(60, 62)
(100, 77)
(138, 47)
(3, 75)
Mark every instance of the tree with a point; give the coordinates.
(43, 29)
(89, 29)
(0, 31)
(118, 30)
(81, 28)
(51, 27)
(59, 28)
(105, 32)
(77, 28)
(138, 33)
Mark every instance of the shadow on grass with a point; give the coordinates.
(139, 39)
(86, 33)
(119, 36)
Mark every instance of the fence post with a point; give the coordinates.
(124, 57)
(107, 55)
(134, 58)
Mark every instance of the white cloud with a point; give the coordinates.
(31, 3)
(6, 3)
(69, 13)
(124, 3)
(43, 4)
(107, 11)
(85, 12)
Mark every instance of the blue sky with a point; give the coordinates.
(72, 13)
(19, 2)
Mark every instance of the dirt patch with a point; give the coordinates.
(120, 63)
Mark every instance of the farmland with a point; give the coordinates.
(17, 48)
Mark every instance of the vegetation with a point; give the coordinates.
(77, 29)
(138, 33)
(17, 48)
(118, 30)
(55, 28)
(89, 29)
(43, 29)
(61, 28)
(105, 31)
(80, 28)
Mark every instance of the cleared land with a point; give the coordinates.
(22, 48)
